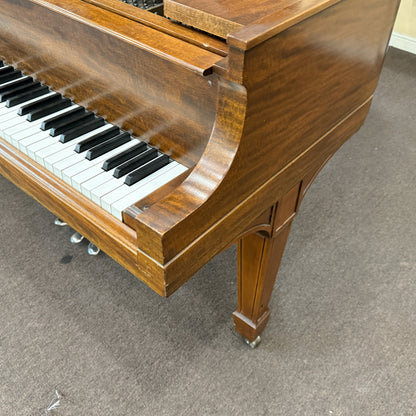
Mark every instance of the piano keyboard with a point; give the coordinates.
(96, 158)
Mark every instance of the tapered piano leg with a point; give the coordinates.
(259, 257)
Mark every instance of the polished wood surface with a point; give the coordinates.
(259, 256)
(254, 126)
(270, 25)
(283, 104)
(161, 24)
(223, 17)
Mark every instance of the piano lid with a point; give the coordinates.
(223, 17)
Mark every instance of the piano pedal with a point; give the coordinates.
(253, 344)
(59, 222)
(76, 238)
(93, 250)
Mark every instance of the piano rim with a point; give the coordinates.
(120, 241)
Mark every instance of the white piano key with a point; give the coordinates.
(82, 171)
(68, 149)
(15, 108)
(29, 128)
(105, 188)
(34, 148)
(45, 149)
(92, 171)
(7, 116)
(95, 169)
(94, 182)
(118, 207)
(53, 146)
(15, 121)
(36, 125)
(32, 144)
(4, 109)
(109, 199)
(31, 140)
(5, 112)
(63, 164)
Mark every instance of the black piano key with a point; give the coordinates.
(146, 170)
(21, 98)
(50, 109)
(97, 139)
(108, 145)
(1, 64)
(135, 163)
(10, 76)
(51, 122)
(39, 104)
(83, 129)
(6, 70)
(77, 121)
(21, 89)
(124, 156)
(15, 84)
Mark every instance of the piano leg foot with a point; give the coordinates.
(93, 250)
(253, 344)
(59, 222)
(76, 238)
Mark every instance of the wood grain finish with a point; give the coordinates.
(259, 257)
(199, 252)
(161, 24)
(272, 24)
(320, 72)
(255, 127)
(261, 18)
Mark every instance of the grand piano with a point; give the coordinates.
(167, 132)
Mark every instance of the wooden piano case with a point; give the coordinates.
(254, 117)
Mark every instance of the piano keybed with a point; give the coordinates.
(98, 159)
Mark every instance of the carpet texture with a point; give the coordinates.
(341, 339)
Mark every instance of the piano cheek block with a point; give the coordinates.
(238, 129)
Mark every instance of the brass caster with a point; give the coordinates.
(253, 344)
(76, 238)
(93, 250)
(59, 222)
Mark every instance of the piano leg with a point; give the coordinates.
(259, 256)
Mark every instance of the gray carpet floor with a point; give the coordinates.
(341, 340)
